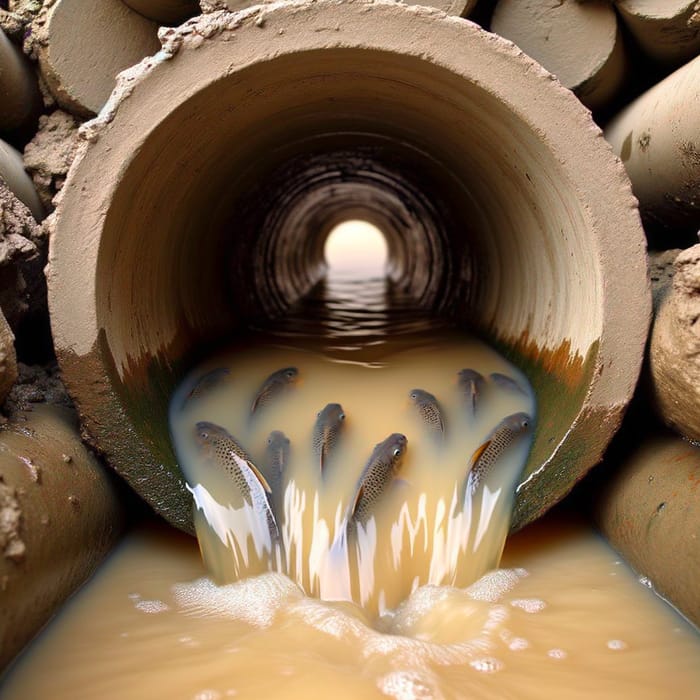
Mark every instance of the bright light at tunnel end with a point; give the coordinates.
(356, 247)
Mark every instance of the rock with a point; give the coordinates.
(11, 23)
(48, 546)
(674, 353)
(49, 154)
(36, 384)
(648, 507)
(16, 19)
(8, 359)
(21, 257)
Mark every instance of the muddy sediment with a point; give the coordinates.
(48, 156)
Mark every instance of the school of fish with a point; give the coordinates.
(221, 451)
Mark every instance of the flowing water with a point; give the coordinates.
(437, 514)
(565, 619)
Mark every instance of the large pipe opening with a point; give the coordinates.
(217, 183)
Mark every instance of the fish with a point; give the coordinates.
(277, 456)
(327, 430)
(218, 446)
(502, 438)
(277, 383)
(506, 382)
(383, 465)
(276, 463)
(472, 384)
(429, 410)
(207, 382)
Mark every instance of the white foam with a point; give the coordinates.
(207, 694)
(529, 605)
(409, 685)
(557, 654)
(254, 600)
(617, 644)
(151, 607)
(512, 642)
(494, 585)
(487, 664)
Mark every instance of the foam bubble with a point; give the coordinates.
(529, 605)
(488, 664)
(151, 606)
(617, 644)
(557, 654)
(409, 685)
(207, 694)
(518, 644)
(494, 585)
(254, 600)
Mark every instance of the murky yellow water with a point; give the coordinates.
(566, 620)
(433, 520)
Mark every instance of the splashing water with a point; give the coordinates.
(427, 520)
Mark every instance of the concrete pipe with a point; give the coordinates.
(168, 12)
(60, 513)
(578, 41)
(204, 192)
(81, 49)
(658, 139)
(15, 177)
(666, 30)
(649, 510)
(20, 99)
(674, 350)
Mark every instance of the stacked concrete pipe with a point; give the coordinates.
(203, 192)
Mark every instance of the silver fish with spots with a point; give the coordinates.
(505, 382)
(222, 450)
(430, 411)
(276, 463)
(327, 431)
(504, 436)
(383, 465)
(206, 383)
(277, 383)
(472, 384)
